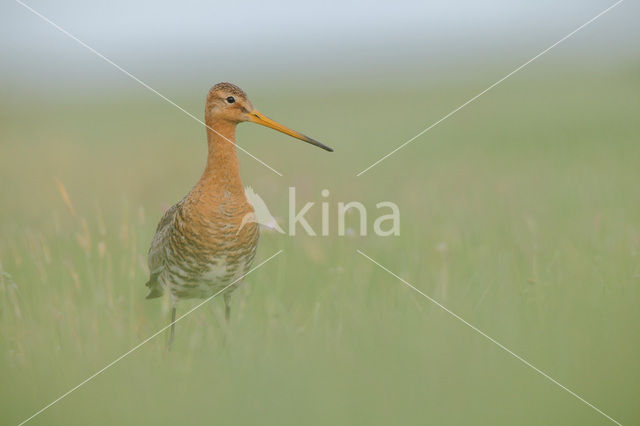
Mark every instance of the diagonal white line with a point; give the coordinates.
(133, 77)
(491, 339)
(489, 88)
(64, 395)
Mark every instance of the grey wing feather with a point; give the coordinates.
(157, 253)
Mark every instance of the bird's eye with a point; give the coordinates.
(230, 100)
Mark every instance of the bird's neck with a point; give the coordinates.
(222, 172)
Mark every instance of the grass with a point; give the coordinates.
(520, 213)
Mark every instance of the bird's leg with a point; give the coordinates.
(227, 307)
(173, 324)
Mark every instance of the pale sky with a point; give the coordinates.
(187, 38)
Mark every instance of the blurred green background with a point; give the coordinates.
(521, 213)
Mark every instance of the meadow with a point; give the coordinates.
(521, 214)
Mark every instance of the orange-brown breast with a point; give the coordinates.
(206, 250)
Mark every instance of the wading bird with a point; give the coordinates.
(201, 244)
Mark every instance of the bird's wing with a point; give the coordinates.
(157, 252)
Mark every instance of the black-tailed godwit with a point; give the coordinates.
(197, 250)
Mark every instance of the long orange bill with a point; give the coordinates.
(257, 117)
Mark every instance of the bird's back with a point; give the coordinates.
(157, 252)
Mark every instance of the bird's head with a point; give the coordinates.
(227, 102)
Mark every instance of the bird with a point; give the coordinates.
(201, 244)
